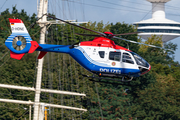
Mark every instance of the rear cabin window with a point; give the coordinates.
(115, 56)
(101, 54)
(127, 58)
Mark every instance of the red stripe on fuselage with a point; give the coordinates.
(147, 70)
(102, 42)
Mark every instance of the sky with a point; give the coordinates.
(108, 11)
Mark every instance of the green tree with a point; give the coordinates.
(159, 100)
(151, 96)
(152, 100)
(13, 71)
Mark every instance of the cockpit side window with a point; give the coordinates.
(101, 54)
(140, 60)
(127, 58)
(115, 56)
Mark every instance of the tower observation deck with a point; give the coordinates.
(158, 24)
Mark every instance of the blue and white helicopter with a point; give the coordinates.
(100, 56)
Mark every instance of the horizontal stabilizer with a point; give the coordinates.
(34, 46)
(16, 56)
(42, 54)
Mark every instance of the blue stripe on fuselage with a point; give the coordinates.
(54, 48)
(92, 65)
(84, 60)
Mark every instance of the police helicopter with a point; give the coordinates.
(101, 56)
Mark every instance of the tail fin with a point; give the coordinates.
(19, 42)
(17, 26)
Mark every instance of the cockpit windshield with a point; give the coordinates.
(139, 60)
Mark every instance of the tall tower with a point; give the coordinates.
(158, 24)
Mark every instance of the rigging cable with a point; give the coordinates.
(71, 69)
(69, 76)
(5, 62)
(170, 7)
(58, 66)
(16, 94)
(3, 5)
(62, 96)
(23, 114)
(4, 55)
(149, 11)
(106, 7)
(76, 75)
(99, 100)
(120, 9)
(82, 7)
(121, 5)
(146, 4)
(69, 10)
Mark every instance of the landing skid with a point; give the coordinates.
(99, 79)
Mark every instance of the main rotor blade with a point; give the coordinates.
(126, 33)
(141, 43)
(77, 25)
(89, 35)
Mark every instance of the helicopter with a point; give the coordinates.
(101, 56)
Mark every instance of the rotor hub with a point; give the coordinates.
(19, 43)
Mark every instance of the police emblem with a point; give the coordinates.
(113, 63)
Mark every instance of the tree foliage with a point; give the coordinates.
(151, 96)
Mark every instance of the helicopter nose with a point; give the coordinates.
(146, 70)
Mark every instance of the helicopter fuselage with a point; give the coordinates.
(102, 57)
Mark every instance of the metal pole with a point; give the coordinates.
(42, 90)
(41, 104)
(42, 10)
(29, 111)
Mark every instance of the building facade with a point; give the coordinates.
(158, 24)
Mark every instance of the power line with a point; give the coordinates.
(136, 8)
(171, 7)
(139, 11)
(105, 7)
(133, 2)
(120, 5)
(3, 5)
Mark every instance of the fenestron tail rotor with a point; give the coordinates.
(19, 43)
